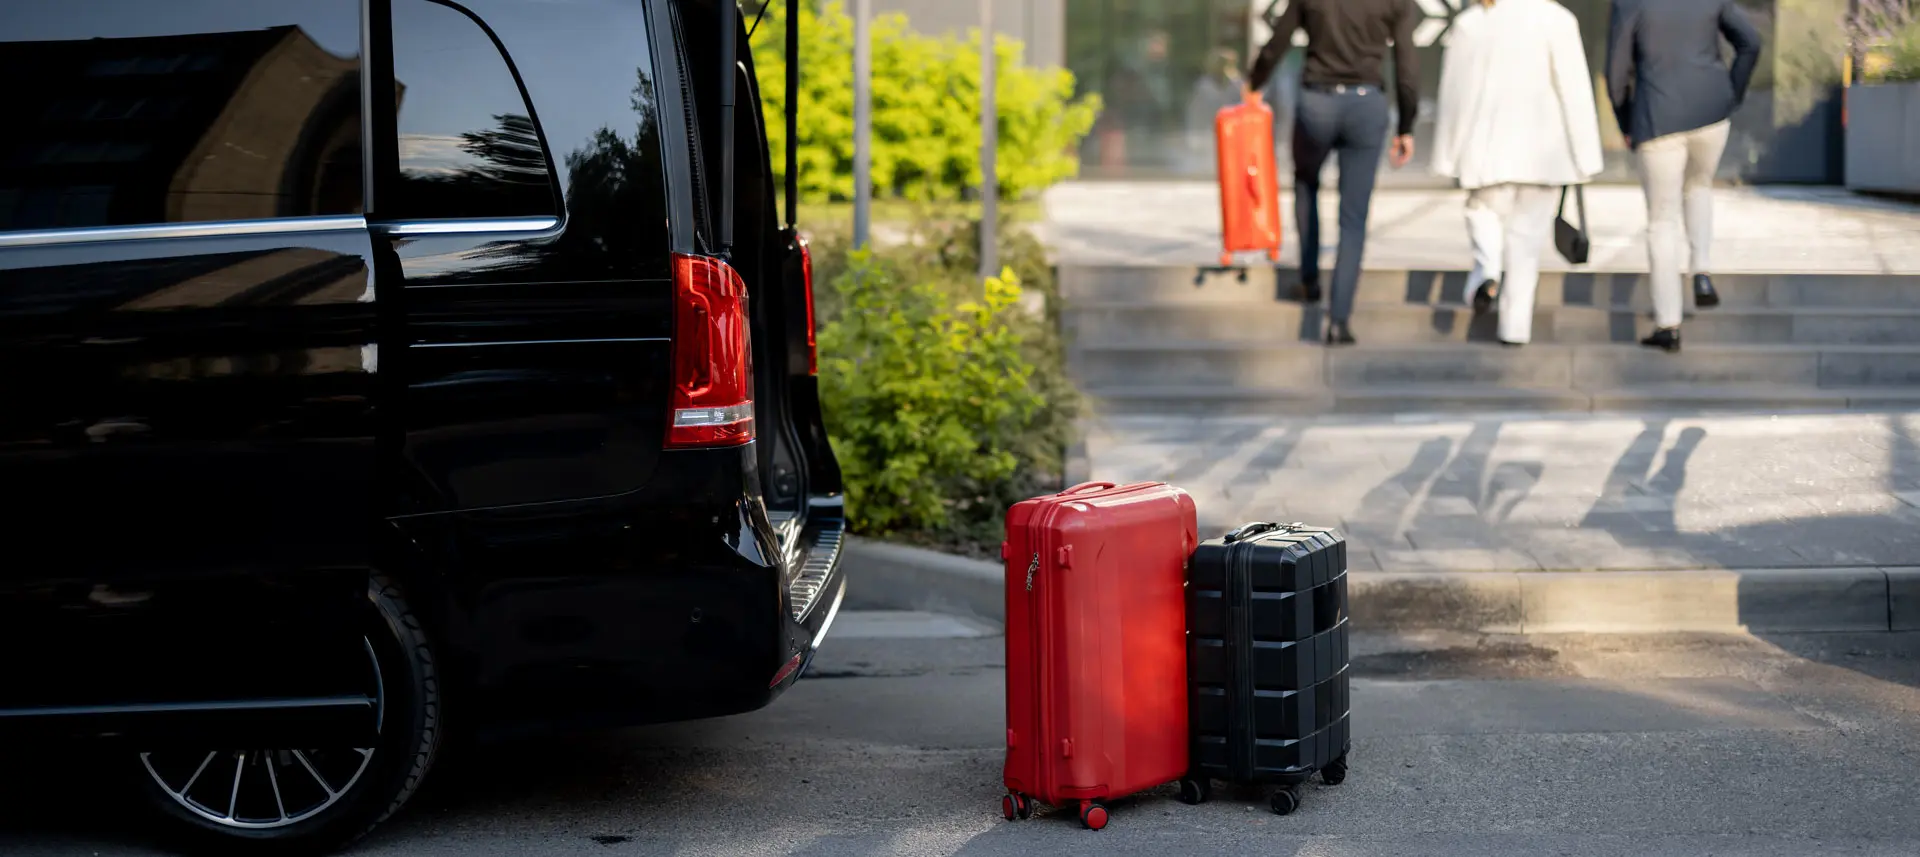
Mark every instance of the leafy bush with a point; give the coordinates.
(1903, 55)
(1890, 31)
(926, 110)
(947, 401)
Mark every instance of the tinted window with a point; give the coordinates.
(588, 65)
(126, 112)
(468, 143)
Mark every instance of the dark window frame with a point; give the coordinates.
(383, 110)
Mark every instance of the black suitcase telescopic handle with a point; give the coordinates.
(1248, 531)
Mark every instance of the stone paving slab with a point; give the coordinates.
(1551, 493)
(1774, 230)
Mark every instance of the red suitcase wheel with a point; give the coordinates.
(1024, 805)
(1009, 808)
(1093, 815)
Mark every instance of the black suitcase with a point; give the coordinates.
(1267, 660)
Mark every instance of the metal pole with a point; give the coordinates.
(862, 121)
(793, 113)
(989, 148)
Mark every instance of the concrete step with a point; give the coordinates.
(1108, 323)
(1584, 368)
(1221, 400)
(1172, 284)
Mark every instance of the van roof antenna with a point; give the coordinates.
(729, 68)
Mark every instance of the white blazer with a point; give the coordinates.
(1516, 99)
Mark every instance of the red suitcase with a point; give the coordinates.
(1096, 645)
(1249, 184)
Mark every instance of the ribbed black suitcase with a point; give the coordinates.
(1267, 660)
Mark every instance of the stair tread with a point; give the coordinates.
(1083, 306)
(1476, 347)
(1487, 388)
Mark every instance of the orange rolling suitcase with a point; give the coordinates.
(1249, 185)
(1096, 646)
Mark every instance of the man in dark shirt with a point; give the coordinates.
(1343, 108)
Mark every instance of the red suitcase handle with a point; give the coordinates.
(1088, 486)
(1253, 182)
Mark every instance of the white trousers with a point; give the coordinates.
(1677, 172)
(1510, 225)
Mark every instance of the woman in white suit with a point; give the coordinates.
(1517, 124)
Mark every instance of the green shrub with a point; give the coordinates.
(926, 110)
(1903, 55)
(1889, 30)
(946, 402)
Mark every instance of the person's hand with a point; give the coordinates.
(1249, 95)
(1402, 153)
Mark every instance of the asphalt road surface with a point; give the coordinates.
(1463, 746)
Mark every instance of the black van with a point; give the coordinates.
(375, 368)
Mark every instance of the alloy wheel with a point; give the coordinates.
(266, 789)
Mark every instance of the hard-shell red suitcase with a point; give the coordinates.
(1096, 645)
(1249, 184)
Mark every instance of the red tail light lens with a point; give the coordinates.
(785, 670)
(813, 343)
(712, 402)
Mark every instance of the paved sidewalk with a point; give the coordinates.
(1769, 229)
(1551, 493)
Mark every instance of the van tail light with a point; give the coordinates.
(806, 278)
(712, 402)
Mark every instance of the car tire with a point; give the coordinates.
(337, 797)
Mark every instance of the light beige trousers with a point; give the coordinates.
(1677, 173)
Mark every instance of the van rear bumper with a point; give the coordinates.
(634, 609)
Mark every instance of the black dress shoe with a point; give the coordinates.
(1703, 294)
(1484, 297)
(1666, 339)
(1309, 292)
(1338, 333)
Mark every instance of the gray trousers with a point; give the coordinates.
(1352, 122)
(1677, 173)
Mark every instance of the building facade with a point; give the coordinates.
(1163, 67)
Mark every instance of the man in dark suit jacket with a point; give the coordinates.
(1674, 97)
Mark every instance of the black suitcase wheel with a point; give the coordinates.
(1335, 772)
(1093, 815)
(1285, 801)
(1016, 806)
(1193, 792)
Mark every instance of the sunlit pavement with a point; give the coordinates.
(1464, 745)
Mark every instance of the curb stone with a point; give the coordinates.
(1903, 599)
(884, 576)
(897, 577)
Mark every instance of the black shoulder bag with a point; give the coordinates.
(1570, 240)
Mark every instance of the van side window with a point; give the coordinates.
(130, 112)
(469, 146)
